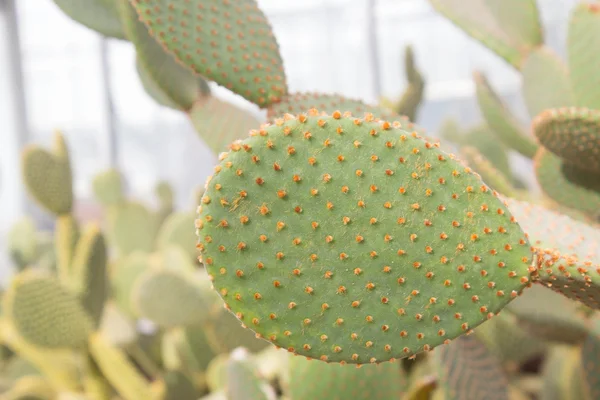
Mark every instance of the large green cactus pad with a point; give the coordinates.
(219, 123)
(301, 102)
(99, 15)
(511, 33)
(571, 133)
(567, 185)
(567, 258)
(353, 240)
(229, 42)
(47, 175)
(500, 119)
(311, 379)
(583, 44)
(159, 69)
(541, 67)
(490, 175)
(45, 313)
(468, 370)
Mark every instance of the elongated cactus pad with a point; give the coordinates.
(501, 120)
(219, 123)
(117, 369)
(562, 374)
(571, 133)
(168, 298)
(228, 42)
(302, 102)
(411, 99)
(590, 356)
(583, 44)
(467, 370)
(567, 184)
(549, 315)
(541, 67)
(510, 33)
(99, 15)
(124, 274)
(490, 175)
(108, 187)
(31, 388)
(65, 239)
(89, 272)
(567, 258)
(47, 175)
(44, 313)
(311, 379)
(178, 229)
(173, 80)
(350, 239)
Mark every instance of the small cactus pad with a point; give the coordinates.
(571, 133)
(108, 187)
(219, 123)
(168, 298)
(411, 99)
(549, 315)
(567, 258)
(242, 380)
(567, 184)
(482, 22)
(123, 277)
(45, 313)
(99, 15)
(590, 357)
(178, 230)
(467, 370)
(89, 272)
(490, 175)
(47, 176)
(310, 379)
(350, 239)
(22, 243)
(301, 102)
(175, 81)
(543, 66)
(131, 226)
(229, 42)
(583, 45)
(500, 119)
(116, 368)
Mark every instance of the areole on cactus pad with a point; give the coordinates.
(352, 240)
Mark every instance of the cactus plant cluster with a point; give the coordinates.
(336, 251)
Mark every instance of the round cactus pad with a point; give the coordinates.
(351, 239)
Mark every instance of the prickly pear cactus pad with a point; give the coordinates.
(229, 42)
(353, 240)
(571, 133)
(567, 257)
(301, 102)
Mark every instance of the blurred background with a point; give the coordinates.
(56, 74)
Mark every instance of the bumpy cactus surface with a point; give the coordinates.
(350, 239)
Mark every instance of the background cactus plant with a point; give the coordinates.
(342, 235)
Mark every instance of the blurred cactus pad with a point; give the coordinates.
(337, 251)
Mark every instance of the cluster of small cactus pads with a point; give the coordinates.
(336, 252)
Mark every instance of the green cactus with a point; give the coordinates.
(219, 123)
(223, 36)
(178, 386)
(562, 375)
(108, 187)
(31, 388)
(123, 276)
(168, 298)
(243, 381)
(572, 134)
(45, 313)
(118, 371)
(178, 229)
(590, 355)
(177, 85)
(89, 272)
(502, 122)
(467, 370)
(490, 175)
(23, 244)
(65, 240)
(131, 226)
(47, 176)
(543, 66)
(509, 28)
(99, 15)
(366, 222)
(584, 27)
(310, 379)
(297, 103)
(224, 334)
(409, 103)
